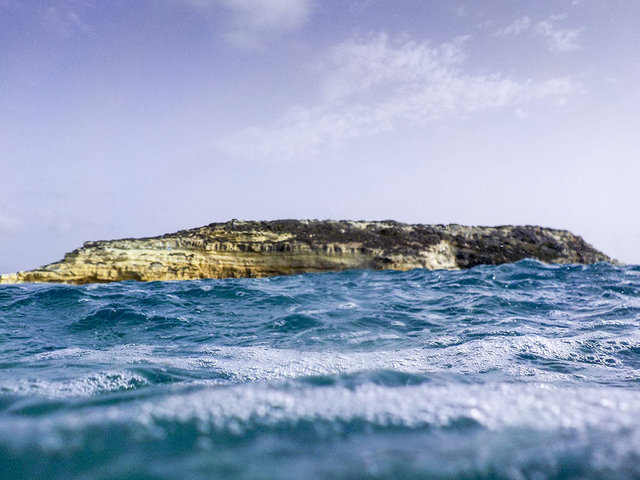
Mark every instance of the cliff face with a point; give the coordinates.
(260, 249)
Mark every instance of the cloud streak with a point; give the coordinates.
(254, 23)
(64, 21)
(559, 40)
(379, 84)
(521, 25)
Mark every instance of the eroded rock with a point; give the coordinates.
(282, 247)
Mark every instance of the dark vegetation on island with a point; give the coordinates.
(473, 245)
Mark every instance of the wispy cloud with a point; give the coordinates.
(359, 65)
(379, 84)
(519, 26)
(559, 40)
(253, 23)
(65, 21)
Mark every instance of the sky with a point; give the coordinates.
(126, 119)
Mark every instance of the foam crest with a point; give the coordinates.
(240, 409)
(83, 386)
(526, 357)
(493, 406)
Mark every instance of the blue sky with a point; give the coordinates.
(124, 119)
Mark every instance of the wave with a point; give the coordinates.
(515, 371)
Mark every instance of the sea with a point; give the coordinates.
(518, 371)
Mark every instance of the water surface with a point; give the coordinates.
(521, 371)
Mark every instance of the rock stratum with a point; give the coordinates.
(282, 247)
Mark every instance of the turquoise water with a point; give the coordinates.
(521, 371)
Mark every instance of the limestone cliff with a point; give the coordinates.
(260, 249)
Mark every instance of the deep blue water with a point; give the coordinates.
(521, 371)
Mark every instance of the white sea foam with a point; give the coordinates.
(494, 406)
(239, 408)
(81, 386)
(527, 357)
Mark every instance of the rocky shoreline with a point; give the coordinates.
(282, 247)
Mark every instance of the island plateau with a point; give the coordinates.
(283, 247)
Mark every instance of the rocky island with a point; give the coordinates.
(282, 247)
